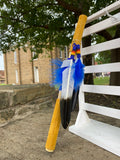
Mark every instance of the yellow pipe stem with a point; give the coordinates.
(79, 31)
(56, 120)
(54, 127)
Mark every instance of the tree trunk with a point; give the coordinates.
(87, 60)
(115, 57)
(115, 76)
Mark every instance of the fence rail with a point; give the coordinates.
(110, 22)
(103, 12)
(111, 67)
(111, 112)
(101, 89)
(105, 46)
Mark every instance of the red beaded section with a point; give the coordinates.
(78, 51)
(73, 53)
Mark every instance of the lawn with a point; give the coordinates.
(101, 80)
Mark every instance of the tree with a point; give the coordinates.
(44, 23)
(35, 22)
(103, 57)
(115, 57)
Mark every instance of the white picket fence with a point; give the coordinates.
(101, 134)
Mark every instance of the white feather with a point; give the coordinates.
(67, 81)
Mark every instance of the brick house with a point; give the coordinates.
(19, 69)
(2, 77)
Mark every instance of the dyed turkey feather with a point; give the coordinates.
(65, 111)
(67, 92)
(67, 79)
(78, 78)
(79, 73)
(75, 99)
(57, 70)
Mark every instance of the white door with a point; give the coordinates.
(36, 74)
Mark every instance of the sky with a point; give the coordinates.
(1, 62)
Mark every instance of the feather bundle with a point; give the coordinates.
(68, 76)
(62, 76)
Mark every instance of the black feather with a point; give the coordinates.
(65, 111)
(75, 99)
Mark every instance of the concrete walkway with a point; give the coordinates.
(25, 140)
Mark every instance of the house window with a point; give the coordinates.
(34, 55)
(15, 57)
(66, 52)
(16, 73)
(60, 52)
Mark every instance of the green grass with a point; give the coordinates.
(2, 84)
(101, 80)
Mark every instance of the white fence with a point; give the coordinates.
(101, 134)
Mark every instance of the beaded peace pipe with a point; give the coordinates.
(62, 101)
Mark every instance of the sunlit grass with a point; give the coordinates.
(101, 80)
(2, 84)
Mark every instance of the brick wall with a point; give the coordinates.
(11, 67)
(44, 67)
(26, 69)
(2, 77)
